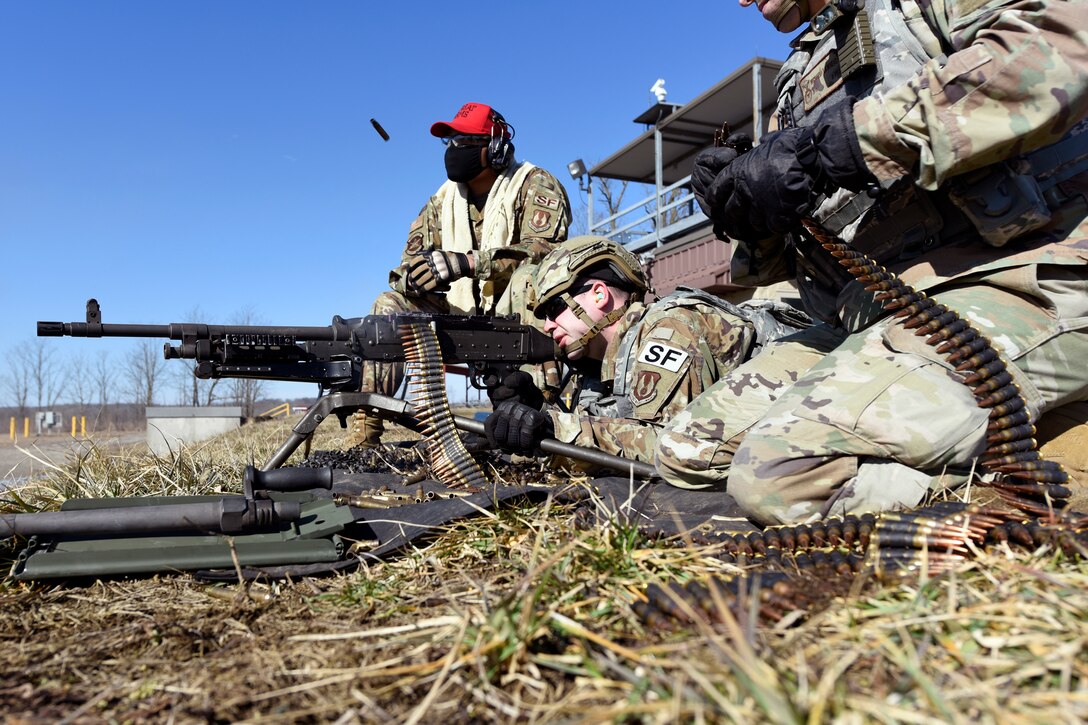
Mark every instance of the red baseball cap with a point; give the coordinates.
(474, 119)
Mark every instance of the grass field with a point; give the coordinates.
(524, 615)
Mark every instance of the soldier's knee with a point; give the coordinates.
(390, 303)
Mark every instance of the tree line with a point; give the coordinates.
(107, 387)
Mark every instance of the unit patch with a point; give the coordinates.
(645, 388)
(662, 356)
(415, 244)
(540, 220)
(546, 201)
(821, 80)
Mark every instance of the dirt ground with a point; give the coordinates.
(27, 457)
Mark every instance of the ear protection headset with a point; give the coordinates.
(500, 151)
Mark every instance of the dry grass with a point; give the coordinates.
(523, 616)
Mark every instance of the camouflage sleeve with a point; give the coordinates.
(424, 233)
(1015, 79)
(681, 351)
(627, 437)
(542, 219)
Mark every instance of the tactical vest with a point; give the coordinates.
(770, 320)
(855, 52)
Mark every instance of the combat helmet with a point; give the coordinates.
(587, 257)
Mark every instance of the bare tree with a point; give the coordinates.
(611, 193)
(607, 200)
(80, 383)
(246, 392)
(673, 215)
(143, 372)
(192, 390)
(102, 381)
(103, 377)
(16, 382)
(17, 378)
(46, 381)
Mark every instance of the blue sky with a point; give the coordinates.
(166, 157)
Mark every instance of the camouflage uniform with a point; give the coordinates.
(666, 353)
(860, 414)
(542, 215)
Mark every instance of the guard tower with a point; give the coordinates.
(667, 227)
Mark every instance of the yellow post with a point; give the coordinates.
(26, 427)
(73, 426)
(82, 426)
(13, 427)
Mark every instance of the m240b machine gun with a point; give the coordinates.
(331, 356)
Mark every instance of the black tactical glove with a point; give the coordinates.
(767, 190)
(518, 387)
(518, 428)
(434, 270)
(709, 164)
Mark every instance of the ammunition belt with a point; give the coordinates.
(1037, 484)
(450, 461)
(793, 571)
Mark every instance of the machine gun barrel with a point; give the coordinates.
(330, 355)
(227, 515)
(200, 341)
(183, 330)
(84, 329)
(230, 514)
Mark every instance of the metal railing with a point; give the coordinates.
(655, 225)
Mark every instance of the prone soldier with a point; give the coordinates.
(635, 365)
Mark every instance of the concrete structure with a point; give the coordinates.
(169, 428)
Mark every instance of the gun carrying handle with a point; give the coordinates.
(287, 479)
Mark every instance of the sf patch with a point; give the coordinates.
(663, 356)
(546, 201)
(645, 388)
(540, 220)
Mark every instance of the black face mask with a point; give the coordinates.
(463, 164)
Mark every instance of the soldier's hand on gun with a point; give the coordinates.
(517, 428)
(767, 190)
(518, 387)
(433, 270)
(709, 164)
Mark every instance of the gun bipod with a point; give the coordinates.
(343, 405)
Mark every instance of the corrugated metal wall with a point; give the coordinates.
(701, 263)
